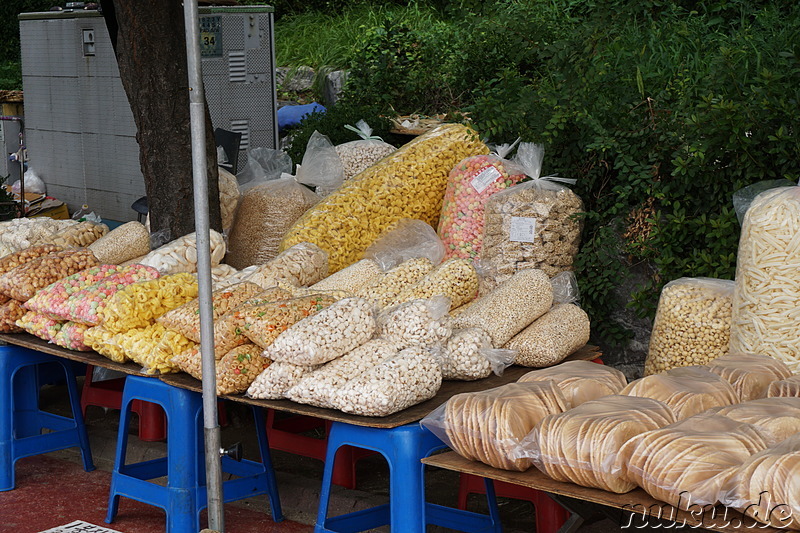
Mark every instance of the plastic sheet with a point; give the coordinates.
(488, 426)
(511, 307)
(687, 390)
(777, 418)
(692, 324)
(580, 381)
(750, 375)
(581, 445)
(686, 463)
(410, 182)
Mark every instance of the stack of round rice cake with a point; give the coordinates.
(488, 426)
(777, 418)
(580, 381)
(787, 388)
(686, 463)
(581, 445)
(750, 375)
(767, 486)
(686, 390)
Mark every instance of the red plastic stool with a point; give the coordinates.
(284, 434)
(108, 394)
(549, 515)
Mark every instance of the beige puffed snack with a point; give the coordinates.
(455, 278)
(80, 235)
(10, 313)
(531, 225)
(22, 282)
(357, 156)
(511, 307)
(325, 335)
(468, 355)
(416, 323)
(228, 198)
(409, 378)
(692, 324)
(387, 286)
(25, 255)
(273, 382)
(351, 279)
(320, 386)
(180, 255)
(552, 337)
(408, 183)
(301, 265)
(128, 241)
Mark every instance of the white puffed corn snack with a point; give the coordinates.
(276, 379)
(301, 265)
(180, 255)
(319, 387)
(411, 377)
(468, 355)
(330, 333)
(416, 323)
(351, 279)
(394, 281)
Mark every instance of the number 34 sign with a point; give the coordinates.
(211, 36)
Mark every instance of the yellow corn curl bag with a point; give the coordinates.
(409, 183)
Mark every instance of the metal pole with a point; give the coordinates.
(216, 519)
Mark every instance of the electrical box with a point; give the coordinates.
(79, 129)
(9, 144)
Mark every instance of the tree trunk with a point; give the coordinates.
(149, 42)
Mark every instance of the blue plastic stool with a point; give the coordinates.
(185, 494)
(21, 420)
(407, 511)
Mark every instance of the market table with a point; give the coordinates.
(574, 498)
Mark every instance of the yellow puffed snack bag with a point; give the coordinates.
(409, 183)
(140, 304)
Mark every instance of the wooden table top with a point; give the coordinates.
(637, 501)
(413, 414)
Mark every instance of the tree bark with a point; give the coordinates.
(149, 42)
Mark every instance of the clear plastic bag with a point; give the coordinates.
(273, 382)
(565, 288)
(126, 242)
(359, 155)
(580, 381)
(749, 374)
(105, 343)
(408, 183)
(239, 368)
(552, 337)
(10, 313)
(351, 279)
(469, 186)
(325, 335)
(409, 378)
(421, 322)
(776, 418)
(263, 164)
(406, 239)
(386, 287)
(468, 355)
(186, 318)
(26, 255)
(581, 445)
(692, 324)
(154, 347)
(87, 304)
(80, 235)
(321, 167)
(488, 426)
(263, 323)
(180, 255)
(511, 307)
(320, 386)
(22, 282)
(301, 265)
(39, 325)
(51, 300)
(766, 486)
(787, 388)
(743, 198)
(687, 390)
(766, 318)
(455, 278)
(228, 198)
(533, 224)
(685, 464)
(71, 336)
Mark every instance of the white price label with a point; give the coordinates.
(485, 177)
(523, 229)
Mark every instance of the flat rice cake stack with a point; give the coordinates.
(777, 418)
(767, 486)
(787, 388)
(488, 426)
(580, 381)
(687, 390)
(750, 375)
(688, 462)
(581, 445)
